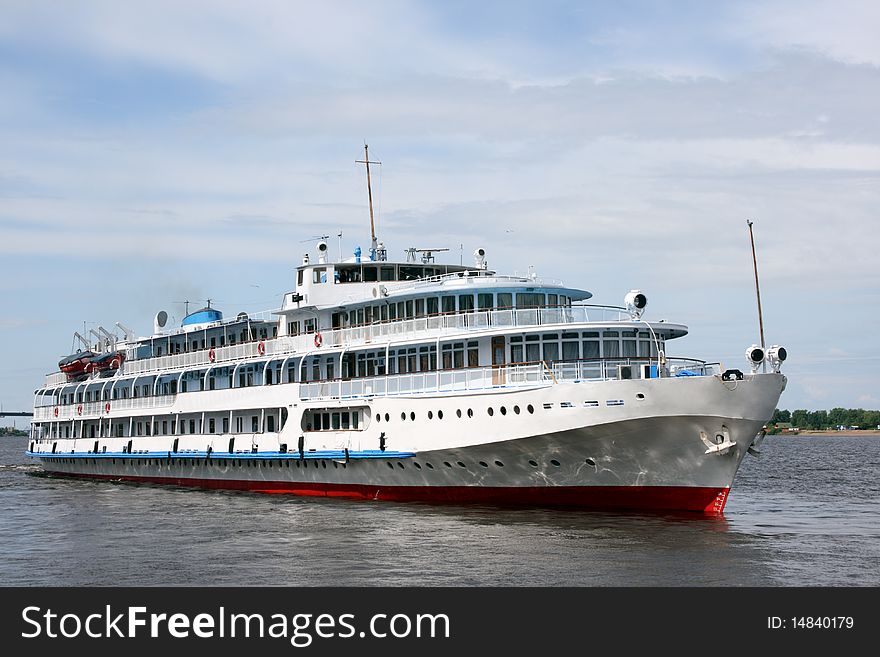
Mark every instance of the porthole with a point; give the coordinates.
(389, 464)
(491, 411)
(447, 464)
(516, 409)
(484, 464)
(590, 462)
(316, 464)
(400, 465)
(470, 412)
(533, 463)
(387, 417)
(499, 464)
(412, 416)
(530, 408)
(430, 415)
(461, 465)
(403, 416)
(458, 412)
(439, 415)
(429, 466)
(378, 417)
(418, 467)
(335, 465)
(639, 395)
(503, 410)
(554, 462)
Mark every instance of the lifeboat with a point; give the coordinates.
(76, 364)
(107, 362)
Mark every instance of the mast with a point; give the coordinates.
(757, 287)
(373, 243)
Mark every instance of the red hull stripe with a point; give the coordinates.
(709, 500)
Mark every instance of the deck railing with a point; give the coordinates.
(355, 336)
(93, 409)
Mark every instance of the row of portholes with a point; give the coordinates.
(286, 463)
(470, 413)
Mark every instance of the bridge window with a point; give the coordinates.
(319, 275)
(387, 273)
(371, 274)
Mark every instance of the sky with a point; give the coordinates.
(162, 151)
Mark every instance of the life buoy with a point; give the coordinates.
(261, 348)
(56, 411)
(318, 340)
(79, 410)
(107, 407)
(212, 355)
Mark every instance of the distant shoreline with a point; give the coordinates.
(833, 432)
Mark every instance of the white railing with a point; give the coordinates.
(90, 410)
(482, 378)
(477, 378)
(429, 326)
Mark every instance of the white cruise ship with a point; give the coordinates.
(412, 380)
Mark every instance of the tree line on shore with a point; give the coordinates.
(836, 417)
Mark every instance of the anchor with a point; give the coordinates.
(753, 448)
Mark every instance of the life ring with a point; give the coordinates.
(318, 340)
(79, 410)
(212, 355)
(261, 348)
(56, 411)
(107, 407)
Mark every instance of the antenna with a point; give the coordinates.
(339, 235)
(185, 307)
(366, 161)
(757, 287)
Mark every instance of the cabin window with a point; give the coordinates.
(329, 366)
(211, 425)
(255, 423)
(383, 313)
(448, 304)
(505, 300)
(173, 427)
(484, 301)
(371, 274)
(225, 425)
(529, 300)
(192, 426)
(533, 348)
(270, 423)
(591, 344)
(319, 275)
(570, 346)
(411, 273)
(645, 348)
(299, 278)
(629, 344)
(552, 300)
(164, 427)
(551, 349)
(611, 344)
(465, 303)
(473, 354)
(433, 306)
(387, 273)
(409, 309)
(368, 315)
(239, 424)
(420, 307)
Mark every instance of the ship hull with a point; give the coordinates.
(659, 450)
